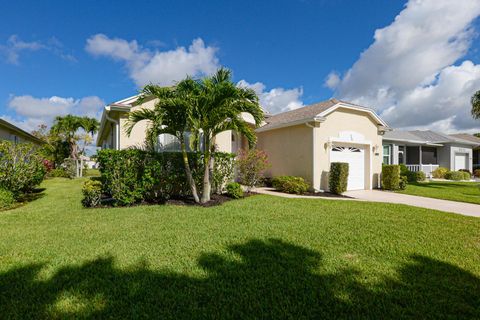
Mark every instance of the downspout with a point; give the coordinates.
(117, 129)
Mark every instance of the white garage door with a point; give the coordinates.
(355, 157)
(461, 161)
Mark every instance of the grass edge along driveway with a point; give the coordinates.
(447, 190)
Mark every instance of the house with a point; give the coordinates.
(427, 150)
(476, 148)
(305, 141)
(112, 134)
(14, 134)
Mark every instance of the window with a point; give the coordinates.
(401, 154)
(429, 155)
(386, 154)
(168, 142)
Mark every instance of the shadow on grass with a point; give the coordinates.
(272, 279)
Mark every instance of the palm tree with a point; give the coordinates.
(219, 108)
(475, 101)
(172, 114)
(68, 126)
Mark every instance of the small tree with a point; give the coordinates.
(251, 166)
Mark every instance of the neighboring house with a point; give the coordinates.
(303, 142)
(113, 123)
(427, 150)
(88, 162)
(13, 133)
(476, 148)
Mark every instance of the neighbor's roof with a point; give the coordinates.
(14, 128)
(424, 136)
(466, 136)
(308, 113)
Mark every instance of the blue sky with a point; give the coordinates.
(59, 56)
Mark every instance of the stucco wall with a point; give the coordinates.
(289, 151)
(9, 135)
(343, 120)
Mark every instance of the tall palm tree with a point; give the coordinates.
(475, 101)
(220, 105)
(172, 114)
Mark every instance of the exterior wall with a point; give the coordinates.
(289, 151)
(460, 149)
(343, 120)
(14, 136)
(223, 141)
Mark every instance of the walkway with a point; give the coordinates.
(467, 209)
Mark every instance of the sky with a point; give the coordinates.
(415, 62)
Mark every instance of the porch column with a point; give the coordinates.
(420, 157)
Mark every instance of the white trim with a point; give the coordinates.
(414, 141)
(353, 107)
(290, 124)
(368, 143)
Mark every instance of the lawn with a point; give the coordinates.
(447, 190)
(261, 257)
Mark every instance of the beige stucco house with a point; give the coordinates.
(114, 119)
(301, 142)
(13, 133)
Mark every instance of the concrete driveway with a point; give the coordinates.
(467, 209)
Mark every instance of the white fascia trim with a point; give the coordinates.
(414, 141)
(290, 124)
(128, 100)
(354, 107)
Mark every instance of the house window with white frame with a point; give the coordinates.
(386, 154)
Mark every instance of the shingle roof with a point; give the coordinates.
(299, 114)
(468, 137)
(424, 136)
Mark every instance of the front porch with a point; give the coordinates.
(415, 157)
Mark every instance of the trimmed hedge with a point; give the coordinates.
(416, 176)
(391, 177)
(455, 175)
(338, 177)
(439, 173)
(7, 199)
(290, 184)
(92, 193)
(234, 190)
(402, 185)
(133, 175)
(476, 173)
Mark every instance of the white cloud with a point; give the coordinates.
(15, 46)
(31, 111)
(276, 100)
(408, 73)
(160, 67)
(332, 80)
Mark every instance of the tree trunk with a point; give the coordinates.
(188, 172)
(207, 187)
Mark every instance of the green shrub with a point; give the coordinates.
(234, 190)
(403, 170)
(92, 193)
(290, 184)
(338, 177)
(21, 167)
(132, 175)
(476, 173)
(454, 175)
(251, 167)
(439, 173)
(467, 175)
(58, 173)
(402, 184)
(415, 176)
(391, 177)
(6, 199)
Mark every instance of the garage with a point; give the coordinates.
(355, 157)
(461, 161)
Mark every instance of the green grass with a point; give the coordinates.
(261, 257)
(455, 191)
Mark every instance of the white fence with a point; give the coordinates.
(426, 168)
